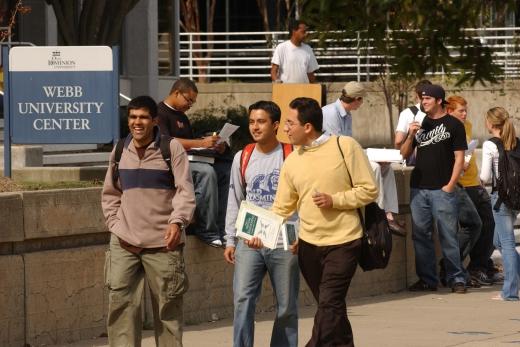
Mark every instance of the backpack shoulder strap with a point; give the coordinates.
(244, 160)
(414, 110)
(287, 149)
(117, 158)
(164, 145)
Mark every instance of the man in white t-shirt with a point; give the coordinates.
(409, 115)
(293, 60)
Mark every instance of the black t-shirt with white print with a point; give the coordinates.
(436, 141)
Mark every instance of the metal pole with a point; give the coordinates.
(227, 40)
(358, 58)
(175, 40)
(7, 113)
(115, 95)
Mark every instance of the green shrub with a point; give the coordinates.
(208, 120)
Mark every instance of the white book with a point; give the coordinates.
(201, 158)
(254, 221)
(289, 234)
(380, 155)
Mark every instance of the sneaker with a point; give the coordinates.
(216, 243)
(459, 288)
(481, 278)
(396, 228)
(421, 286)
(471, 283)
(497, 278)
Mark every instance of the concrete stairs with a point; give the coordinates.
(69, 154)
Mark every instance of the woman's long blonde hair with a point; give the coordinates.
(499, 118)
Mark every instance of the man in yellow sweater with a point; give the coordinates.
(314, 181)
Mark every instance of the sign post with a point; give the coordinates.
(61, 95)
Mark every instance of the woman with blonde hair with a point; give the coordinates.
(504, 139)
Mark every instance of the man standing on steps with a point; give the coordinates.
(293, 60)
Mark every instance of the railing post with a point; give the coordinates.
(358, 57)
(190, 55)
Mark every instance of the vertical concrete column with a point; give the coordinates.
(39, 26)
(140, 48)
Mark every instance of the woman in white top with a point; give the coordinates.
(499, 125)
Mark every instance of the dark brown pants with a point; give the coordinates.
(328, 271)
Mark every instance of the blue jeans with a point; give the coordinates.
(211, 184)
(428, 206)
(504, 241)
(470, 224)
(250, 268)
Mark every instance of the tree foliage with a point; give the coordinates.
(91, 22)
(411, 38)
(414, 36)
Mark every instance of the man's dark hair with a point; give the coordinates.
(419, 86)
(293, 25)
(268, 106)
(143, 101)
(309, 111)
(184, 85)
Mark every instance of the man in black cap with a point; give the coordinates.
(440, 142)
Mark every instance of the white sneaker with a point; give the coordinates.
(216, 243)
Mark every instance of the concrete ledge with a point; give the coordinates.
(65, 299)
(11, 217)
(58, 174)
(12, 313)
(23, 156)
(64, 295)
(62, 212)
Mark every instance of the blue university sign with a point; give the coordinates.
(62, 95)
(59, 95)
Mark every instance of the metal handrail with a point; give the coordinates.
(225, 55)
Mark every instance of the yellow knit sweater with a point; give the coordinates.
(321, 169)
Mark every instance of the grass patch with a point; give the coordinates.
(8, 185)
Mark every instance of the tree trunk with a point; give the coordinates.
(91, 22)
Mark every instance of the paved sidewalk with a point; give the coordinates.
(402, 319)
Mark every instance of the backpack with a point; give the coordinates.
(410, 161)
(508, 182)
(376, 243)
(164, 145)
(287, 148)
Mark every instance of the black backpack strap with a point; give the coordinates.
(360, 214)
(164, 145)
(117, 158)
(501, 153)
(414, 110)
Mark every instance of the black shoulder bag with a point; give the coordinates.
(376, 244)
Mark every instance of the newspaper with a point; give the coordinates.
(254, 221)
(383, 155)
(472, 145)
(225, 133)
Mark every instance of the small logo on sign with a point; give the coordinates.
(57, 62)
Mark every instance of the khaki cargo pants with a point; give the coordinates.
(125, 273)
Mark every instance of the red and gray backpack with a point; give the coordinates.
(287, 148)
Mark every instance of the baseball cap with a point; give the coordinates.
(435, 91)
(354, 90)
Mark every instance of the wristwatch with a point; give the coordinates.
(181, 225)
